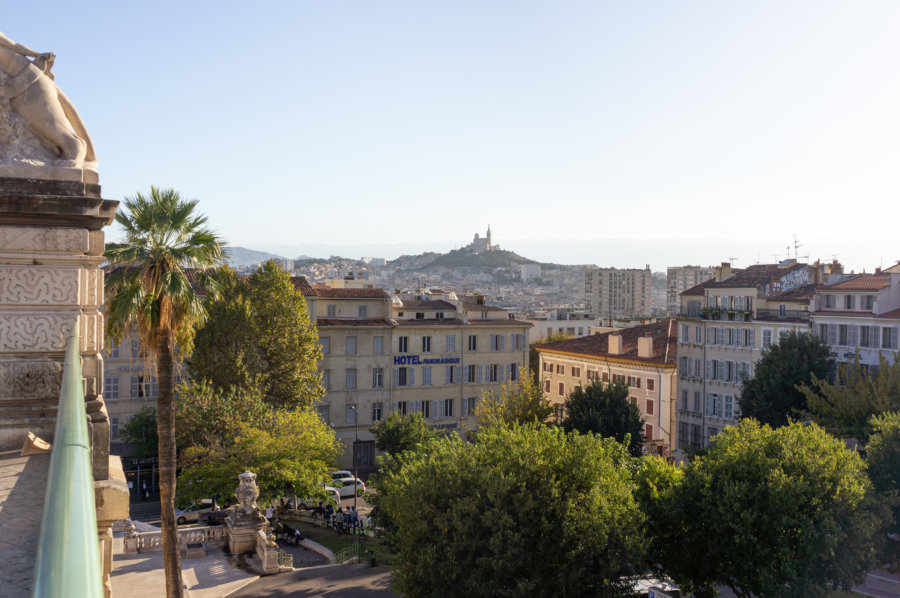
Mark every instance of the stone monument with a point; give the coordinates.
(51, 248)
(245, 520)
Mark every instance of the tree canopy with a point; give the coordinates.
(400, 433)
(846, 408)
(259, 338)
(605, 410)
(773, 512)
(772, 395)
(534, 358)
(517, 403)
(208, 417)
(140, 432)
(884, 470)
(523, 510)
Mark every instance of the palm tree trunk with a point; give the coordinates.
(165, 407)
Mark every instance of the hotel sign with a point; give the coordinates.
(419, 360)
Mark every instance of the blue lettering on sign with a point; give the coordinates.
(417, 360)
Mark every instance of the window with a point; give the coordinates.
(633, 381)
(696, 401)
(324, 413)
(576, 372)
(649, 406)
(869, 302)
(447, 408)
(426, 375)
(695, 435)
(782, 310)
(766, 337)
(648, 432)
(401, 407)
(473, 342)
(420, 315)
(823, 332)
(685, 333)
(144, 387)
(113, 351)
(513, 372)
(135, 348)
(350, 414)
(712, 404)
(350, 379)
(888, 338)
(560, 369)
(426, 344)
(696, 368)
(403, 344)
(378, 378)
(842, 334)
(712, 432)
(546, 386)
(362, 311)
(494, 373)
(562, 389)
(401, 377)
(683, 366)
(848, 301)
(111, 388)
(682, 435)
(829, 301)
(729, 407)
(325, 343)
(114, 428)
(451, 343)
(439, 315)
(377, 412)
(378, 345)
(425, 408)
(351, 345)
(748, 337)
(326, 379)
(698, 334)
(864, 336)
(605, 377)
(470, 373)
(450, 374)
(471, 404)
(684, 399)
(331, 311)
(651, 381)
(518, 341)
(618, 378)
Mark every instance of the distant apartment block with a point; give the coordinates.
(643, 357)
(681, 278)
(611, 293)
(724, 325)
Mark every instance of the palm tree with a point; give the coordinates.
(149, 291)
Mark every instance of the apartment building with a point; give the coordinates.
(427, 352)
(724, 325)
(681, 278)
(859, 316)
(611, 293)
(643, 357)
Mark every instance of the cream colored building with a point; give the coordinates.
(724, 325)
(642, 357)
(611, 293)
(681, 278)
(409, 353)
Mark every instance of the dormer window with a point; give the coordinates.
(439, 315)
(848, 302)
(420, 315)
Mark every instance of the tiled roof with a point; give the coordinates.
(476, 307)
(434, 305)
(863, 282)
(663, 333)
(804, 292)
(755, 276)
(351, 293)
(354, 322)
(301, 284)
(893, 315)
(698, 289)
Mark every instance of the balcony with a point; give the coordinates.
(725, 315)
(785, 315)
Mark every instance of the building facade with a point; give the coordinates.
(724, 325)
(611, 293)
(681, 278)
(642, 357)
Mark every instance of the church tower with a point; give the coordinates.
(489, 238)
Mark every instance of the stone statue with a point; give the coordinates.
(247, 493)
(33, 107)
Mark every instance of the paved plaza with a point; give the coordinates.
(22, 484)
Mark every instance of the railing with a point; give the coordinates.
(150, 541)
(347, 553)
(68, 553)
(782, 314)
(285, 559)
(725, 315)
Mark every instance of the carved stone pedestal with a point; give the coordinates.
(51, 249)
(242, 538)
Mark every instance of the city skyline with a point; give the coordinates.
(584, 133)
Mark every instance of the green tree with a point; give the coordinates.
(605, 410)
(259, 338)
(534, 358)
(292, 454)
(209, 418)
(846, 408)
(148, 291)
(399, 433)
(522, 403)
(523, 510)
(884, 470)
(773, 394)
(140, 432)
(773, 512)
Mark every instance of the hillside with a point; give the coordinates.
(241, 256)
(460, 258)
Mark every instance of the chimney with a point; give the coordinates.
(723, 271)
(615, 344)
(645, 346)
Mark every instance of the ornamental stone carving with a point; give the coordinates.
(23, 380)
(43, 240)
(28, 285)
(247, 492)
(37, 332)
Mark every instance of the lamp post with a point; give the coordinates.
(355, 408)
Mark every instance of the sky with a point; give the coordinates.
(583, 132)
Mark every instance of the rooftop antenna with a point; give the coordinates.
(797, 246)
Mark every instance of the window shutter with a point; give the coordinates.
(752, 338)
(503, 342)
(394, 406)
(447, 374)
(396, 377)
(873, 337)
(412, 377)
(832, 334)
(853, 336)
(709, 403)
(508, 372)
(480, 373)
(708, 369)
(434, 406)
(893, 338)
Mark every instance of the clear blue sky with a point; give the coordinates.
(615, 133)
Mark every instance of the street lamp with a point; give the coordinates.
(355, 408)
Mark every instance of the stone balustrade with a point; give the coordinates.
(216, 535)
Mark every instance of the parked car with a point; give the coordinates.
(192, 511)
(340, 475)
(313, 502)
(348, 487)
